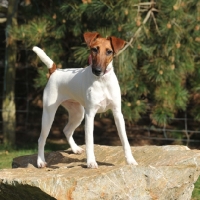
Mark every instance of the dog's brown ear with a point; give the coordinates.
(116, 43)
(90, 37)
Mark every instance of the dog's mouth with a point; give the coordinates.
(97, 71)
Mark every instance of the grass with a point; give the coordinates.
(196, 191)
(7, 155)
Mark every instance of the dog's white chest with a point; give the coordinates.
(104, 105)
(99, 96)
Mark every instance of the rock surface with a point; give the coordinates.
(167, 172)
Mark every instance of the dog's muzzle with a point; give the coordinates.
(97, 71)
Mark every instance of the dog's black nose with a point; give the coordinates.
(97, 71)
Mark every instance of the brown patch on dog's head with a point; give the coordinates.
(116, 43)
(102, 51)
(89, 37)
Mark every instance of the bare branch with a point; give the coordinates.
(136, 33)
(150, 13)
(145, 4)
(154, 19)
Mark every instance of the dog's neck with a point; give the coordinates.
(109, 67)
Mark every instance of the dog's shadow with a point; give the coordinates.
(55, 160)
(70, 161)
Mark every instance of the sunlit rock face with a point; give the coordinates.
(167, 172)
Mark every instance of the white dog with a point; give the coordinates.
(84, 91)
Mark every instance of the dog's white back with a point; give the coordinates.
(83, 86)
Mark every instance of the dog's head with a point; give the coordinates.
(102, 51)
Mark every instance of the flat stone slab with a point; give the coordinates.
(165, 172)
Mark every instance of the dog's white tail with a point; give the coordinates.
(43, 56)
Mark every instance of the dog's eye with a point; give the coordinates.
(95, 50)
(108, 52)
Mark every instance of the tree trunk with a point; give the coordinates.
(8, 107)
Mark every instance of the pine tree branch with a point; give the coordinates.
(150, 13)
(136, 33)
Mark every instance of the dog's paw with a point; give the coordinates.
(132, 161)
(41, 163)
(92, 165)
(78, 150)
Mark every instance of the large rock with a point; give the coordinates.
(167, 172)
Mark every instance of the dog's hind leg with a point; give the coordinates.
(76, 115)
(47, 120)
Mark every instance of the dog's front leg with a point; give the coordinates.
(89, 139)
(119, 121)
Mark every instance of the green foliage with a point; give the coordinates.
(162, 64)
(7, 153)
(196, 192)
(41, 80)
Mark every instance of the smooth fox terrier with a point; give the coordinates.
(84, 91)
